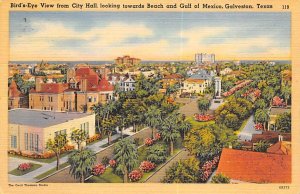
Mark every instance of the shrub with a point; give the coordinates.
(68, 148)
(157, 154)
(157, 136)
(259, 126)
(24, 166)
(112, 163)
(146, 166)
(208, 167)
(220, 178)
(98, 169)
(93, 138)
(48, 154)
(135, 175)
(105, 160)
(148, 141)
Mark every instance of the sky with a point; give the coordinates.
(73, 36)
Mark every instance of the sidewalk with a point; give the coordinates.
(29, 177)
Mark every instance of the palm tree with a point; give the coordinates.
(184, 127)
(126, 157)
(286, 92)
(261, 116)
(169, 131)
(153, 118)
(109, 126)
(81, 162)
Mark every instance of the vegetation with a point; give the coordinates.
(283, 122)
(220, 178)
(78, 136)
(203, 105)
(81, 162)
(19, 172)
(126, 157)
(56, 146)
(262, 146)
(157, 153)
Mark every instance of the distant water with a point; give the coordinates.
(72, 63)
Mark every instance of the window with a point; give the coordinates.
(95, 99)
(50, 98)
(90, 99)
(36, 142)
(13, 141)
(31, 142)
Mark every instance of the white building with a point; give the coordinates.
(226, 71)
(127, 84)
(201, 58)
(197, 83)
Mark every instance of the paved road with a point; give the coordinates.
(249, 130)
(29, 177)
(159, 175)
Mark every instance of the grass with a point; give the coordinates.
(107, 177)
(196, 124)
(242, 127)
(18, 172)
(51, 171)
(46, 160)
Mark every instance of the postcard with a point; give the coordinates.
(161, 97)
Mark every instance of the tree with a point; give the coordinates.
(261, 116)
(260, 104)
(286, 93)
(268, 94)
(220, 178)
(109, 125)
(186, 171)
(79, 136)
(261, 146)
(169, 131)
(203, 105)
(81, 162)
(184, 127)
(232, 121)
(153, 118)
(157, 153)
(283, 122)
(208, 140)
(56, 146)
(126, 157)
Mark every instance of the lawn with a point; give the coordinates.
(51, 171)
(196, 124)
(18, 172)
(107, 177)
(113, 141)
(47, 160)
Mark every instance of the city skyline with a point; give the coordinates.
(148, 35)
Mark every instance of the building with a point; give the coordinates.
(203, 58)
(197, 83)
(226, 71)
(255, 167)
(127, 60)
(281, 147)
(172, 79)
(127, 84)
(29, 130)
(83, 89)
(16, 99)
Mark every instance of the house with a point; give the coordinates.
(255, 167)
(83, 89)
(197, 83)
(29, 130)
(274, 113)
(16, 99)
(172, 79)
(281, 147)
(127, 84)
(226, 71)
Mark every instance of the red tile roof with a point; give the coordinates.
(54, 88)
(255, 167)
(270, 136)
(281, 147)
(13, 90)
(173, 76)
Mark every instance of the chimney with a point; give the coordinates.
(38, 83)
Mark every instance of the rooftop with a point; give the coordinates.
(40, 118)
(256, 167)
